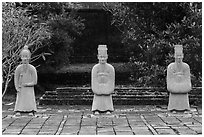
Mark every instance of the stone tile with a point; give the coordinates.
(171, 120)
(139, 128)
(124, 133)
(105, 122)
(88, 123)
(23, 120)
(198, 119)
(88, 129)
(13, 130)
(165, 132)
(46, 133)
(10, 133)
(177, 126)
(29, 133)
(120, 122)
(7, 120)
(67, 133)
(142, 132)
(194, 123)
(70, 129)
(122, 128)
(106, 129)
(152, 119)
(158, 124)
(105, 133)
(20, 122)
(186, 119)
(48, 129)
(87, 133)
(53, 123)
(134, 117)
(30, 130)
(137, 124)
(197, 129)
(199, 111)
(16, 124)
(73, 121)
(185, 131)
(4, 126)
(53, 127)
(41, 121)
(163, 127)
(15, 127)
(71, 132)
(34, 126)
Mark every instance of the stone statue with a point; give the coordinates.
(102, 83)
(178, 82)
(24, 79)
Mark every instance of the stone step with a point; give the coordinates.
(119, 92)
(121, 96)
(118, 101)
(121, 89)
(88, 90)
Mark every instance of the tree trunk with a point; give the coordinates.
(5, 87)
(8, 79)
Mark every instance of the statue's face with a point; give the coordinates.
(178, 57)
(102, 58)
(25, 57)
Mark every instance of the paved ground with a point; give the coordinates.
(125, 120)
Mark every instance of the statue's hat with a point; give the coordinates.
(25, 51)
(102, 50)
(178, 49)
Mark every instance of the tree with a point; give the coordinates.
(48, 28)
(65, 28)
(151, 29)
(189, 33)
(64, 25)
(18, 30)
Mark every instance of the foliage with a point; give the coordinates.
(64, 25)
(48, 28)
(156, 75)
(65, 28)
(189, 34)
(151, 29)
(18, 30)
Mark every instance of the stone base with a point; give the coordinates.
(121, 96)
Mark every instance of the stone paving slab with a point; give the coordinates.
(105, 133)
(125, 120)
(142, 132)
(166, 131)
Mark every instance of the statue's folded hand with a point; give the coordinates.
(28, 84)
(18, 90)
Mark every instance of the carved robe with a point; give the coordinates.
(102, 84)
(178, 84)
(25, 101)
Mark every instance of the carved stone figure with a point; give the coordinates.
(24, 79)
(102, 83)
(178, 82)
